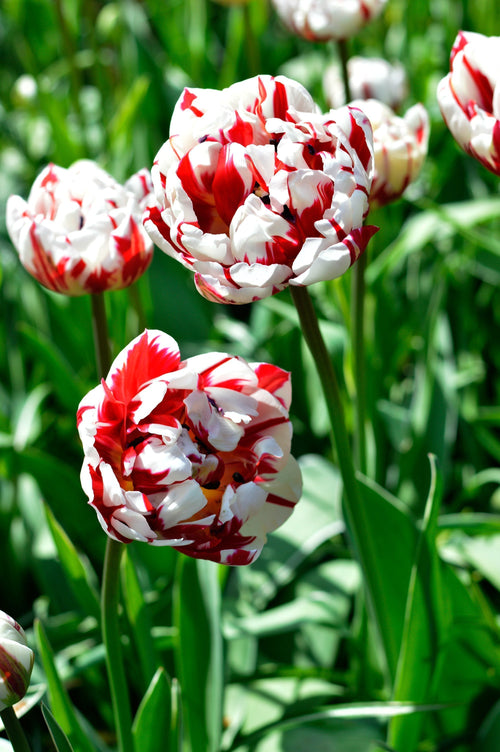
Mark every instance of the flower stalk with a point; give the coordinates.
(14, 730)
(354, 510)
(111, 572)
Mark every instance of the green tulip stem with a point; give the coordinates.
(111, 573)
(344, 57)
(14, 730)
(113, 646)
(358, 356)
(354, 510)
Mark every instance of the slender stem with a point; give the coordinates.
(344, 57)
(111, 573)
(101, 337)
(354, 510)
(113, 647)
(14, 730)
(358, 352)
(252, 46)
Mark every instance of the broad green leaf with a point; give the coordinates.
(152, 722)
(60, 702)
(139, 619)
(426, 626)
(77, 572)
(61, 741)
(198, 654)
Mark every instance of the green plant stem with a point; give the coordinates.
(14, 730)
(344, 57)
(112, 643)
(354, 510)
(111, 573)
(358, 356)
(252, 46)
(101, 337)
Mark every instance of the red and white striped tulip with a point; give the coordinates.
(469, 97)
(80, 231)
(193, 454)
(257, 190)
(16, 662)
(369, 78)
(400, 145)
(319, 20)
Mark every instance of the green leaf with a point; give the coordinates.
(61, 741)
(60, 702)
(152, 723)
(198, 656)
(139, 619)
(427, 621)
(77, 573)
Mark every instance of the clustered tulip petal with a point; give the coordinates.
(80, 231)
(256, 189)
(469, 97)
(16, 662)
(327, 19)
(400, 146)
(369, 78)
(193, 454)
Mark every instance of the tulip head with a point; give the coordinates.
(16, 662)
(320, 20)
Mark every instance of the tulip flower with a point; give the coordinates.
(369, 78)
(16, 662)
(400, 146)
(469, 97)
(320, 20)
(256, 189)
(80, 231)
(193, 454)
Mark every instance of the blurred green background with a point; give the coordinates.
(291, 634)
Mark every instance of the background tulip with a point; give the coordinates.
(192, 454)
(369, 78)
(327, 19)
(257, 190)
(400, 146)
(16, 662)
(80, 231)
(469, 97)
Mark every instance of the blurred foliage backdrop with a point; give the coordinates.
(81, 78)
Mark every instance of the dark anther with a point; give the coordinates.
(202, 139)
(311, 149)
(265, 199)
(274, 142)
(287, 214)
(213, 486)
(238, 478)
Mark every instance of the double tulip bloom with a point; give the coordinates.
(16, 662)
(80, 231)
(400, 145)
(256, 189)
(192, 454)
(320, 20)
(469, 97)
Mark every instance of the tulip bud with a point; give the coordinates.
(16, 662)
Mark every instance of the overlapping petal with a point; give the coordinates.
(80, 231)
(469, 97)
(194, 454)
(16, 662)
(327, 19)
(256, 189)
(400, 146)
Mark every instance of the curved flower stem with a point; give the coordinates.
(101, 337)
(358, 352)
(355, 514)
(14, 730)
(112, 643)
(111, 573)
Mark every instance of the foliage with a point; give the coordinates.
(284, 653)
